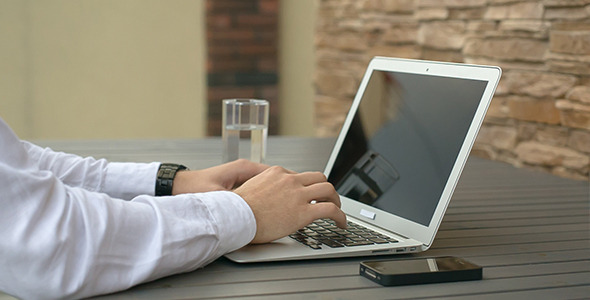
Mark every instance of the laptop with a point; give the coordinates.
(396, 161)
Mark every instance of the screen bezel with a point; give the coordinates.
(383, 219)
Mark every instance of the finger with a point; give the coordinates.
(322, 192)
(309, 178)
(322, 210)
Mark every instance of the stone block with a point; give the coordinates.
(579, 140)
(442, 35)
(442, 55)
(535, 26)
(576, 161)
(579, 93)
(518, 10)
(451, 3)
(398, 6)
(565, 3)
(466, 13)
(565, 13)
(505, 34)
(529, 50)
(355, 25)
(335, 59)
(490, 121)
(336, 84)
(498, 2)
(568, 25)
(567, 173)
(570, 42)
(574, 114)
(380, 23)
(552, 135)
(508, 65)
(330, 115)
(401, 33)
(479, 26)
(431, 13)
(403, 51)
(509, 157)
(344, 40)
(499, 107)
(482, 150)
(503, 87)
(534, 110)
(527, 131)
(499, 137)
(569, 66)
(539, 154)
(390, 6)
(539, 84)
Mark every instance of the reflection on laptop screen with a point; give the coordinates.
(404, 140)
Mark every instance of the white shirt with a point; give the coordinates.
(65, 231)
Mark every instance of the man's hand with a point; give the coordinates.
(284, 201)
(219, 178)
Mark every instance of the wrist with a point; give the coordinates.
(182, 182)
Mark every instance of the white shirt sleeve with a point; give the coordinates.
(120, 180)
(62, 237)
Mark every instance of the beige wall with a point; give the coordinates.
(13, 92)
(102, 68)
(130, 69)
(297, 65)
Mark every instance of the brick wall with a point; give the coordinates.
(540, 115)
(241, 55)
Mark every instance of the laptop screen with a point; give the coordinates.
(403, 141)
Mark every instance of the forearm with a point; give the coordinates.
(58, 241)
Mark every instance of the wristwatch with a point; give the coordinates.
(165, 178)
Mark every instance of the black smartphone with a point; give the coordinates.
(420, 270)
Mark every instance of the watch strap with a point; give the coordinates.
(165, 179)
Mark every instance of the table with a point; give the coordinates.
(528, 229)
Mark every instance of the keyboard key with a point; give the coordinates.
(325, 232)
(331, 243)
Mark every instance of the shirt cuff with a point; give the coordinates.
(128, 180)
(235, 220)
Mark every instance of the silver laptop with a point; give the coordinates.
(396, 161)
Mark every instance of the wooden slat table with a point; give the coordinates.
(529, 230)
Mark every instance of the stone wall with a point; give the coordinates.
(540, 115)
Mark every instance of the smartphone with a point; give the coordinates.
(420, 270)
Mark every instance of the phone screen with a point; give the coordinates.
(422, 265)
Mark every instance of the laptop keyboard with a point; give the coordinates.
(325, 232)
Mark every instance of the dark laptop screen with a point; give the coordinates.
(404, 140)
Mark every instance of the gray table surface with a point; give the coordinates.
(529, 230)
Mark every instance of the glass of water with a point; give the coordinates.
(244, 129)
